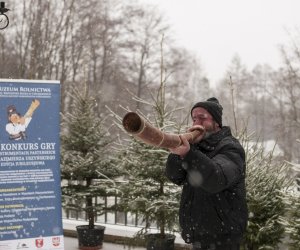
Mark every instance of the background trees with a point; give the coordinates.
(114, 45)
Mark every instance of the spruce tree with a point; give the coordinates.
(85, 161)
(266, 184)
(291, 220)
(148, 192)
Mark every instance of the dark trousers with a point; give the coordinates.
(231, 246)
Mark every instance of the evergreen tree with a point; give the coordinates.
(84, 157)
(291, 220)
(147, 191)
(266, 185)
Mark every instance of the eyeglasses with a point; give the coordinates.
(200, 117)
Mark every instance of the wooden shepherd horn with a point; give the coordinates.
(137, 126)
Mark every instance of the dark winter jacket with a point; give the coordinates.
(213, 202)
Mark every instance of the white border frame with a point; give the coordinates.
(30, 81)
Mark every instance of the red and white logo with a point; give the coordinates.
(56, 241)
(39, 243)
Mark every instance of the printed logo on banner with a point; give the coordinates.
(4, 21)
(17, 123)
(56, 241)
(22, 246)
(39, 243)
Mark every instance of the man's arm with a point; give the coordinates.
(175, 171)
(217, 173)
(33, 106)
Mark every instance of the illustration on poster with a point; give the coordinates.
(17, 124)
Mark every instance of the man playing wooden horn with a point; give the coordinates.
(213, 211)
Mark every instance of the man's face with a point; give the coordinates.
(201, 116)
(14, 118)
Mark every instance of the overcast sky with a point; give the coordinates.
(218, 29)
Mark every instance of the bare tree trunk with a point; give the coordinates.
(140, 78)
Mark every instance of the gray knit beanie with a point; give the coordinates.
(213, 106)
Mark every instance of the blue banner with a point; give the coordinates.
(30, 193)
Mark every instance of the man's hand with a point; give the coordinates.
(200, 137)
(183, 149)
